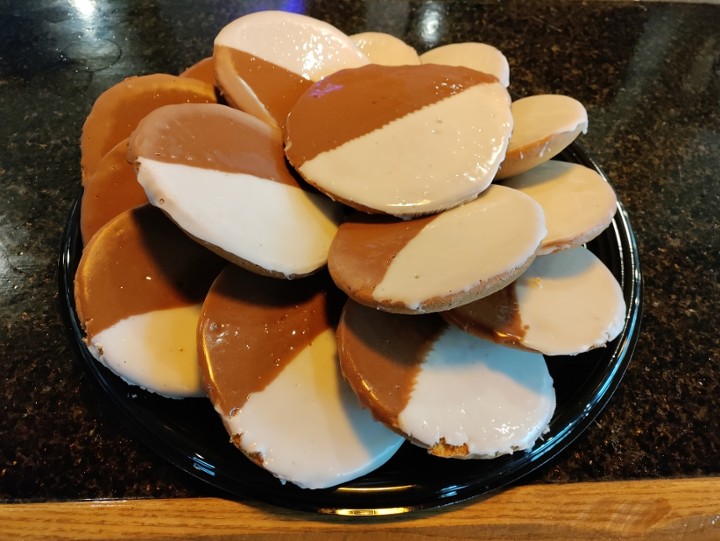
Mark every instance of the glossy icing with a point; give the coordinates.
(111, 190)
(544, 125)
(264, 60)
(303, 45)
(202, 70)
(366, 99)
(140, 262)
(364, 247)
(211, 136)
(307, 427)
(538, 116)
(279, 228)
(422, 159)
(256, 86)
(457, 395)
(381, 354)
(138, 287)
(565, 303)
(252, 327)
(156, 351)
(221, 175)
(480, 397)
(438, 262)
(478, 242)
(117, 111)
(578, 203)
(269, 362)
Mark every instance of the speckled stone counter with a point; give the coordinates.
(648, 73)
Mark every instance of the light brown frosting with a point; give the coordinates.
(203, 70)
(211, 136)
(274, 86)
(118, 110)
(252, 326)
(351, 103)
(140, 262)
(381, 354)
(495, 317)
(363, 249)
(111, 190)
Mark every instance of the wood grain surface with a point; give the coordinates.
(657, 509)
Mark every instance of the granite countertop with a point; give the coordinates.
(649, 75)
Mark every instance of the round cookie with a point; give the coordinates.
(441, 261)
(264, 61)
(564, 304)
(139, 288)
(544, 126)
(112, 189)
(385, 49)
(221, 175)
(400, 140)
(118, 110)
(269, 360)
(578, 202)
(477, 56)
(455, 394)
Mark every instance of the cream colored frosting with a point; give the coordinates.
(538, 117)
(476, 242)
(278, 227)
(309, 47)
(544, 125)
(469, 391)
(156, 351)
(432, 159)
(385, 49)
(308, 426)
(578, 203)
(477, 56)
(569, 302)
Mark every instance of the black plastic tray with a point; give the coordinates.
(190, 435)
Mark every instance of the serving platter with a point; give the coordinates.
(189, 434)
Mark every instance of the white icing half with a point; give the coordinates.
(495, 399)
(544, 126)
(569, 303)
(462, 247)
(385, 49)
(276, 226)
(309, 47)
(477, 56)
(539, 117)
(578, 203)
(156, 351)
(308, 425)
(429, 160)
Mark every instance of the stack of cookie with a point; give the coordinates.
(344, 245)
